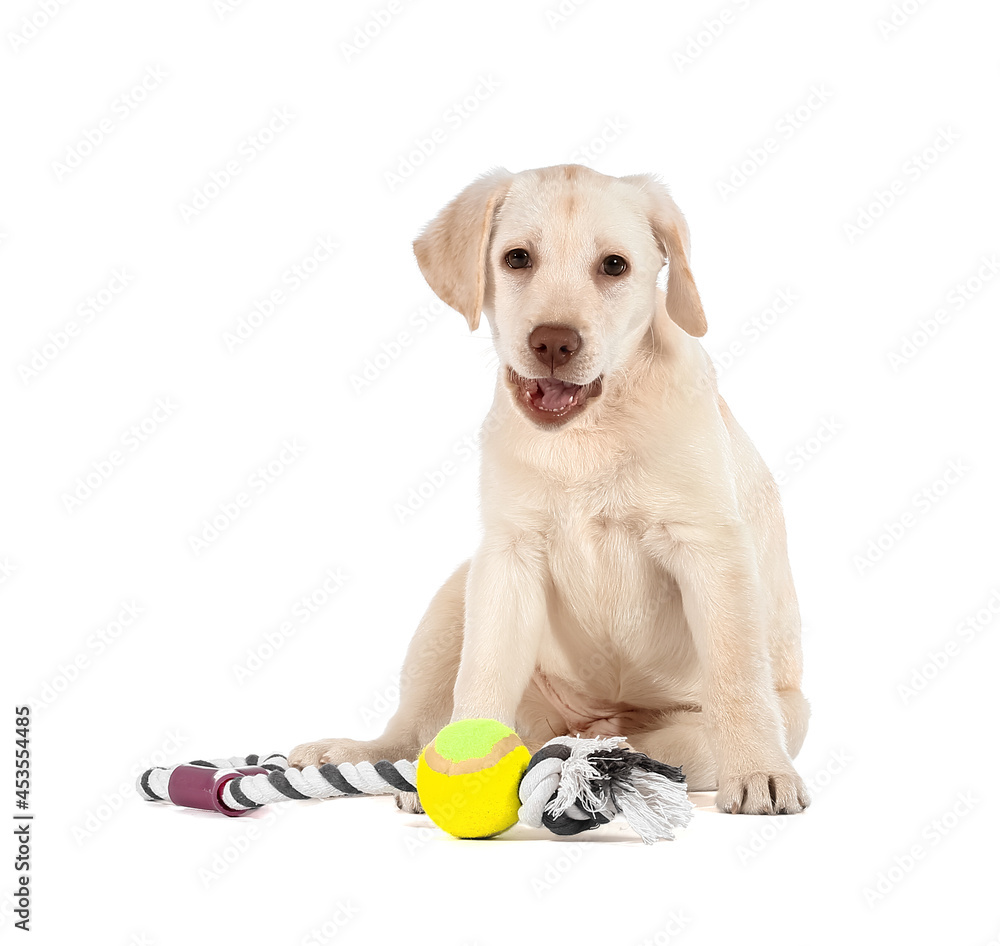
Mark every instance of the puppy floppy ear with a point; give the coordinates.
(451, 252)
(671, 232)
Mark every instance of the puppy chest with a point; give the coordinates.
(607, 594)
(599, 568)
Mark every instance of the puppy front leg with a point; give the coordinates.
(505, 614)
(715, 568)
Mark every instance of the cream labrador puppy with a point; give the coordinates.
(633, 577)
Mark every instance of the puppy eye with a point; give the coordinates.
(614, 265)
(518, 259)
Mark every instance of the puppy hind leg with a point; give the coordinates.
(795, 717)
(681, 740)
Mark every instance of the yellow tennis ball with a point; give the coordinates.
(468, 777)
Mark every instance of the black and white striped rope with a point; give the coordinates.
(282, 783)
(571, 785)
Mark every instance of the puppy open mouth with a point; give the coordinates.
(550, 401)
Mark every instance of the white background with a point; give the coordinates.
(686, 91)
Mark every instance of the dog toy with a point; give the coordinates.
(570, 785)
(468, 777)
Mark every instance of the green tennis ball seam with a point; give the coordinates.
(469, 739)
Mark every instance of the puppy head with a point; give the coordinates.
(564, 262)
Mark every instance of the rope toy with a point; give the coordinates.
(574, 784)
(569, 786)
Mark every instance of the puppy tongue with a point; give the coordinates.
(556, 395)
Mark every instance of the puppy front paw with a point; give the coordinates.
(410, 803)
(780, 792)
(330, 750)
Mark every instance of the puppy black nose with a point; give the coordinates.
(554, 345)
